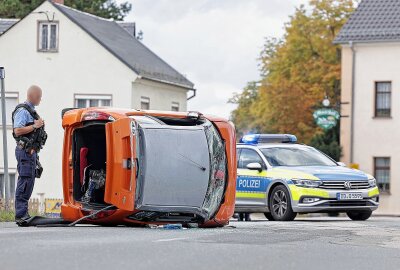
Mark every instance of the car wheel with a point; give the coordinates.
(333, 214)
(269, 216)
(359, 215)
(280, 204)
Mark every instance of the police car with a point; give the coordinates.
(280, 178)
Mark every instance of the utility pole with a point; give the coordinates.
(5, 147)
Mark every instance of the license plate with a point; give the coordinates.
(349, 196)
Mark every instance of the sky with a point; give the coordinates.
(214, 43)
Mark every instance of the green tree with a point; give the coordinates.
(108, 9)
(16, 9)
(243, 116)
(103, 8)
(298, 71)
(327, 142)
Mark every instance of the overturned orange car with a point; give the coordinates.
(133, 167)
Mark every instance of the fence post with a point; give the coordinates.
(41, 203)
(5, 147)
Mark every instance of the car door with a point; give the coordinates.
(251, 185)
(121, 166)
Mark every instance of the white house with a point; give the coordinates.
(79, 60)
(371, 95)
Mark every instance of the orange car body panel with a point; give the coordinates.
(71, 210)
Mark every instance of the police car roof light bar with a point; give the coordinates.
(268, 138)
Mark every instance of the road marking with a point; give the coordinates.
(170, 239)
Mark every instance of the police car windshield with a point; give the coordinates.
(299, 156)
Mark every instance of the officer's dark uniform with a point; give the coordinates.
(28, 166)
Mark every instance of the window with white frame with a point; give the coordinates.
(85, 101)
(382, 173)
(175, 106)
(383, 99)
(145, 103)
(48, 36)
(11, 103)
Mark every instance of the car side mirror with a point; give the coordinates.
(254, 166)
(341, 164)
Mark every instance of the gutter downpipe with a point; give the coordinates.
(353, 83)
(193, 95)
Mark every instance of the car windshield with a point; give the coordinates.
(142, 119)
(296, 156)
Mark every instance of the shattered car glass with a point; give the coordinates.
(216, 185)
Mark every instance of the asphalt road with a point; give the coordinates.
(307, 243)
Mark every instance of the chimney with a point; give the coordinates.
(61, 2)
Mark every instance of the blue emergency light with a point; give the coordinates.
(268, 138)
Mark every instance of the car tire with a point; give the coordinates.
(269, 216)
(333, 214)
(364, 215)
(280, 204)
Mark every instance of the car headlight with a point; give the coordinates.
(307, 183)
(372, 182)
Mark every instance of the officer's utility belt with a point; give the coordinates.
(24, 146)
(38, 167)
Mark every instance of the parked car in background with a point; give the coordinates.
(280, 178)
(148, 167)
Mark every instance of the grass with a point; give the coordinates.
(6, 216)
(9, 216)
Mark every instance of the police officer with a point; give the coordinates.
(26, 124)
(244, 217)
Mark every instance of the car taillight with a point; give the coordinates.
(93, 115)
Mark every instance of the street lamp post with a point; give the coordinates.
(326, 102)
(5, 147)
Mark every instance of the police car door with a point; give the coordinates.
(251, 183)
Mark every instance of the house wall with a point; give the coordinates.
(374, 137)
(82, 66)
(161, 95)
(345, 122)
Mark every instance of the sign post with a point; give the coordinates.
(5, 147)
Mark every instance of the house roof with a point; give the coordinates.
(373, 21)
(126, 47)
(128, 26)
(5, 24)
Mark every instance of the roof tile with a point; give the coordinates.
(373, 21)
(5, 24)
(126, 47)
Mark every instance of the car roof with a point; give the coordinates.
(272, 145)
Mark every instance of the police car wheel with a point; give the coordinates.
(269, 216)
(280, 205)
(359, 215)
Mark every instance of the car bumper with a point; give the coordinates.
(327, 200)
